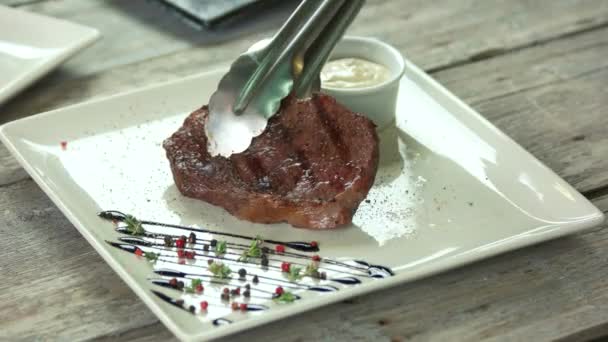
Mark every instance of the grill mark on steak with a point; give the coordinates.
(333, 133)
(311, 167)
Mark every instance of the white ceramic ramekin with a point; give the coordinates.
(376, 102)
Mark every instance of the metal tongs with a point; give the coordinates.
(252, 90)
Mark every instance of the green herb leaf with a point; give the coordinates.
(286, 297)
(220, 247)
(254, 250)
(294, 273)
(134, 226)
(312, 270)
(193, 284)
(196, 282)
(220, 270)
(151, 256)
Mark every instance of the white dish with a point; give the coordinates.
(451, 189)
(31, 45)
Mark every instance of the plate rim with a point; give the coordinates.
(455, 261)
(87, 36)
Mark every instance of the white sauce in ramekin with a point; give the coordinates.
(350, 73)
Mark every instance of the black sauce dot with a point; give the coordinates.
(192, 238)
(264, 260)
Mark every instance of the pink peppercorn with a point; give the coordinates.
(190, 254)
(204, 305)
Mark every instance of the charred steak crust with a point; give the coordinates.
(311, 167)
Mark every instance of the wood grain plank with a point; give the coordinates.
(551, 99)
(137, 30)
(10, 170)
(468, 29)
(143, 45)
(154, 332)
(56, 287)
(16, 3)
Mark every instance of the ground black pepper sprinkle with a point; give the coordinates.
(256, 279)
(242, 273)
(323, 275)
(206, 248)
(247, 294)
(265, 250)
(180, 285)
(191, 308)
(213, 243)
(247, 286)
(168, 241)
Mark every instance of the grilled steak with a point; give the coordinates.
(311, 167)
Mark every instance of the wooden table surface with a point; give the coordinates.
(536, 69)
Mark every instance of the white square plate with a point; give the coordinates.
(31, 45)
(451, 189)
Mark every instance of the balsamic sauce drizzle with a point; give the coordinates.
(161, 247)
(236, 246)
(180, 303)
(167, 284)
(221, 321)
(132, 243)
(114, 215)
(268, 280)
